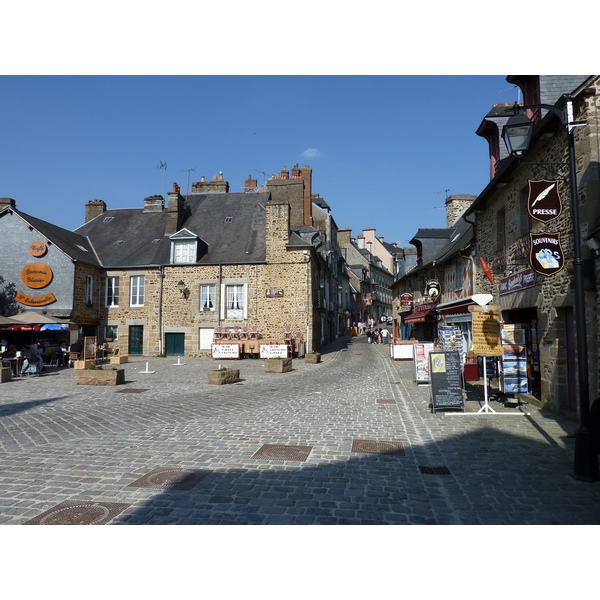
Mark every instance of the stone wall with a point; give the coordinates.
(547, 159)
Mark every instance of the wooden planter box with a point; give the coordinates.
(119, 360)
(312, 358)
(83, 364)
(101, 377)
(223, 376)
(278, 365)
(5, 374)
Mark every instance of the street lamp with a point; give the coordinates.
(517, 135)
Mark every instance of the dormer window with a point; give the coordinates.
(184, 251)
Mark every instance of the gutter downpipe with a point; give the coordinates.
(161, 275)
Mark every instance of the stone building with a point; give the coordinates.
(543, 304)
(163, 277)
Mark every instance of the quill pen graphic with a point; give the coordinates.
(543, 194)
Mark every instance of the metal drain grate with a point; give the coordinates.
(386, 401)
(281, 452)
(434, 470)
(132, 391)
(373, 447)
(79, 512)
(168, 478)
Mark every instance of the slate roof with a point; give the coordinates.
(74, 245)
(231, 225)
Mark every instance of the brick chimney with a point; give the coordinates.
(217, 185)
(175, 210)
(7, 203)
(344, 237)
(94, 208)
(250, 184)
(154, 203)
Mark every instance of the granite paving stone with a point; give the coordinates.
(61, 442)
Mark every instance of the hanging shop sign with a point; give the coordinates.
(543, 202)
(406, 299)
(546, 255)
(433, 289)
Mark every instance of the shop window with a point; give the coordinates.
(112, 291)
(137, 290)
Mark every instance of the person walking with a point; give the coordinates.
(384, 335)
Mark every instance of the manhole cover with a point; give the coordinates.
(281, 452)
(434, 470)
(386, 401)
(165, 478)
(79, 512)
(132, 391)
(373, 447)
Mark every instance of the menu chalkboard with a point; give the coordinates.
(445, 376)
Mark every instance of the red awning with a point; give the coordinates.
(20, 327)
(419, 317)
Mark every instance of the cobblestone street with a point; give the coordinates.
(348, 441)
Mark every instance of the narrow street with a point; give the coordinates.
(349, 441)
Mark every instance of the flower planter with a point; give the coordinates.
(278, 365)
(119, 359)
(223, 376)
(101, 377)
(83, 364)
(313, 357)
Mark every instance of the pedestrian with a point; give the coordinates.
(369, 336)
(384, 335)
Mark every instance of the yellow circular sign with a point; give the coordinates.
(38, 249)
(36, 275)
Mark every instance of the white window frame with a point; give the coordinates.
(112, 285)
(134, 299)
(228, 294)
(184, 251)
(208, 296)
(89, 290)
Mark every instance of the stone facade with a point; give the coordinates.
(503, 226)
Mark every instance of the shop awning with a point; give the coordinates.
(23, 327)
(420, 316)
(457, 307)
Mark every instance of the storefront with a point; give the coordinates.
(423, 321)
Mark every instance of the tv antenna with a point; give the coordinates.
(265, 174)
(188, 179)
(163, 167)
(514, 87)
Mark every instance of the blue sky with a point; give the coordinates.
(383, 149)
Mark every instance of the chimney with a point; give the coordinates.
(154, 204)
(250, 184)
(218, 185)
(456, 206)
(94, 208)
(361, 241)
(175, 210)
(7, 203)
(344, 237)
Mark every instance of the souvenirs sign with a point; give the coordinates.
(546, 255)
(543, 202)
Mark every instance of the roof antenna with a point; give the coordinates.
(163, 167)
(188, 182)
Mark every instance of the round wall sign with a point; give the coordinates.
(36, 275)
(38, 249)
